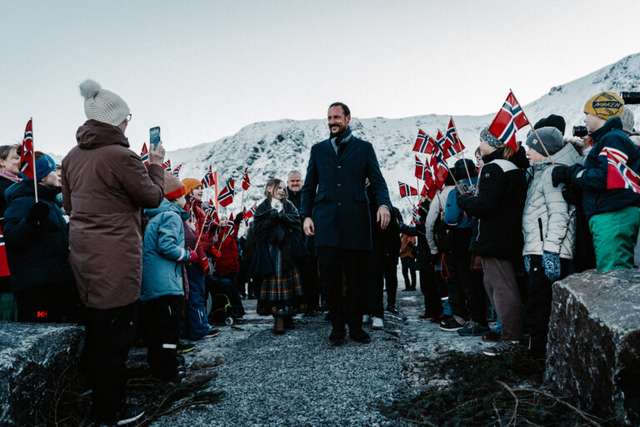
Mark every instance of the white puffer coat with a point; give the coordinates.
(548, 222)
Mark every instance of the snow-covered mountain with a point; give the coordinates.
(271, 149)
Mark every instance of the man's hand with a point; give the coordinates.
(383, 217)
(156, 155)
(308, 227)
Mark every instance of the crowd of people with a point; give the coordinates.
(134, 253)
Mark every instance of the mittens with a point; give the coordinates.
(551, 264)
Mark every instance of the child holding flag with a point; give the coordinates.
(38, 248)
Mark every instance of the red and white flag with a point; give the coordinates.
(419, 172)
(246, 181)
(508, 121)
(225, 198)
(167, 165)
(406, 190)
(424, 143)
(619, 175)
(209, 179)
(176, 171)
(144, 154)
(452, 144)
(27, 154)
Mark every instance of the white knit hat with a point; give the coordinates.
(103, 105)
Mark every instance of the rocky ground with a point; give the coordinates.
(298, 379)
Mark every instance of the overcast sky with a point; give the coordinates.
(204, 69)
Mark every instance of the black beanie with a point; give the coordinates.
(553, 120)
(460, 172)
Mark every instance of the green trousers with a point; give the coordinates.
(614, 238)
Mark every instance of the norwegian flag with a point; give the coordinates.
(508, 121)
(4, 262)
(419, 172)
(144, 154)
(246, 181)
(406, 190)
(440, 140)
(167, 165)
(452, 143)
(176, 171)
(440, 171)
(27, 155)
(225, 198)
(430, 186)
(210, 217)
(248, 214)
(619, 175)
(424, 143)
(209, 179)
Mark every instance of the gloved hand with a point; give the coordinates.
(38, 213)
(560, 175)
(551, 264)
(193, 256)
(213, 251)
(204, 264)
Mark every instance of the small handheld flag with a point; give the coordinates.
(246, 182)
(144, 154)
(508, 121)
(406, 190)
(225, 198)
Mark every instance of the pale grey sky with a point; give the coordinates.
(203, 69)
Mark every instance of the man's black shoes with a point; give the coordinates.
(360, 336)
(337, 338)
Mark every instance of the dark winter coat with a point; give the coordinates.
(271, 227)
(5, 183)
(105, 187)
(334, 193)
(592, 179)
(38, 253)
(498, 206)
(386, 242)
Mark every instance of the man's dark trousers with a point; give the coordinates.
(343, 273)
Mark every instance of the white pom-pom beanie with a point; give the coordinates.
(103, 105)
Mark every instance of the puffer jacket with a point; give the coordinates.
(436, 211)
(104, 187)
(548, 222)
(164, 251)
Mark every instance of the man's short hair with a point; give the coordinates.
(294, 172)
(345, 108)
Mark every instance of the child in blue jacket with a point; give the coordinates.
(163, 279)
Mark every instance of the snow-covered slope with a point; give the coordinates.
(271, 149)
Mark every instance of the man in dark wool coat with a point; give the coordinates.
(335, 208)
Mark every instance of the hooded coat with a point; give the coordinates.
(164, 251)
(548, 221)
(105, 186)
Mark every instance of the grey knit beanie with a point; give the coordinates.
(550, 136)
(103, 105)
(488, 137)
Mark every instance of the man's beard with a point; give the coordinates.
(338, 132)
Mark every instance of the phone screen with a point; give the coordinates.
(154, 136)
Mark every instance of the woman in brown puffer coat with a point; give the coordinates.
(105, 187)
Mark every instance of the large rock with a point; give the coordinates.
(33, 361)
(593, 354)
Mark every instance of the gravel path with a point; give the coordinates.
(299, 380)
